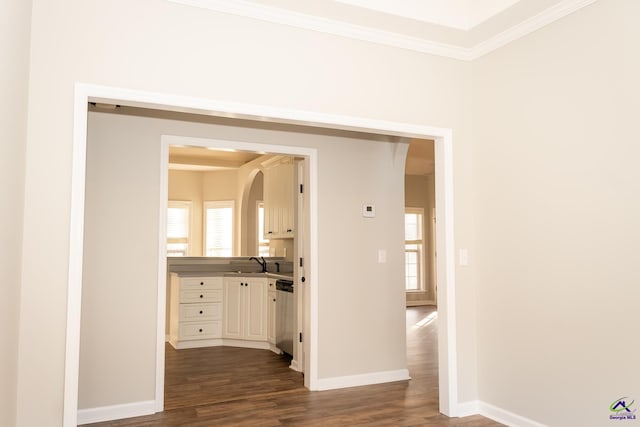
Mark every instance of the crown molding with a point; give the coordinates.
(387, 38)
(329, 26)
(542, 19)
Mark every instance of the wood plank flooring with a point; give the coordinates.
(228, 387)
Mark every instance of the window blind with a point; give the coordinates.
(219, 228)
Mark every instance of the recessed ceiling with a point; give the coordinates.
(204, 159)
(458, 14)
(420, 157)
(460, 29)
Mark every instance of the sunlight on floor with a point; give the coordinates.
(427, 320)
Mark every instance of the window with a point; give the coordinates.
(178, 229)
(218, 223)
(413, 249)
(263, 244)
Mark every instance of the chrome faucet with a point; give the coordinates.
(261, 261)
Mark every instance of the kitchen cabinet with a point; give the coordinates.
(245, 308)
(271, 312)
(195, 311)
(279, 197)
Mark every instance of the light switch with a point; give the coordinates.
(382, 256)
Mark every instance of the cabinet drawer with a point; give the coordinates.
(200, 295)
(201, 283)
(210, 311)
(200, 330)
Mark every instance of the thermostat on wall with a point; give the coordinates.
(369, 211)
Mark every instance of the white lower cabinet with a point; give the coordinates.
(245, 308)
(195, 311)
(271, 312)
(209, 311)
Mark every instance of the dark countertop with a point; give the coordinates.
(228, 267)
(202, 273)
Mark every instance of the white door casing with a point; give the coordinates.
(447, 335)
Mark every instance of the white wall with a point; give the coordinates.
(119, 283)
(557, 232)
(544, 196)
(14, 51)
(163, 47)
(119, 292)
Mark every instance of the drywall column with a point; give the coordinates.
(15, 24)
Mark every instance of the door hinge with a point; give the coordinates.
(300, 337)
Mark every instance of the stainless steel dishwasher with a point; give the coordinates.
(284, 315)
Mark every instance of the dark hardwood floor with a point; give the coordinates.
(226, 386)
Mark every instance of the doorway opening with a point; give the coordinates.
(420, 231)
(202, 172)
(89, 93)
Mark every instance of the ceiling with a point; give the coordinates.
(420, 158)
(204, 159)
(460, 29)
(458, 14)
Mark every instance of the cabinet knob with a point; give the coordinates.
(200, 311)
(289, 230)
(274, 300)
(199, 330)
(201, 296)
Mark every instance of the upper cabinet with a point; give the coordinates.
(279, 197)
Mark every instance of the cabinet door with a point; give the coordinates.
(289, 193)
(269, 202)
(233, 308)
(255, 315)
(271, 315)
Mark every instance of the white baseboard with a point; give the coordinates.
(466, 409)
(274, 349)
(260, 345)
(295, 366)
(362, 379)
(417, 303)
(505, 417)
(179, 345)
(216, 342)
(116, 412)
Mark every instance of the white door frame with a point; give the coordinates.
(310, 156)
(447, 333)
